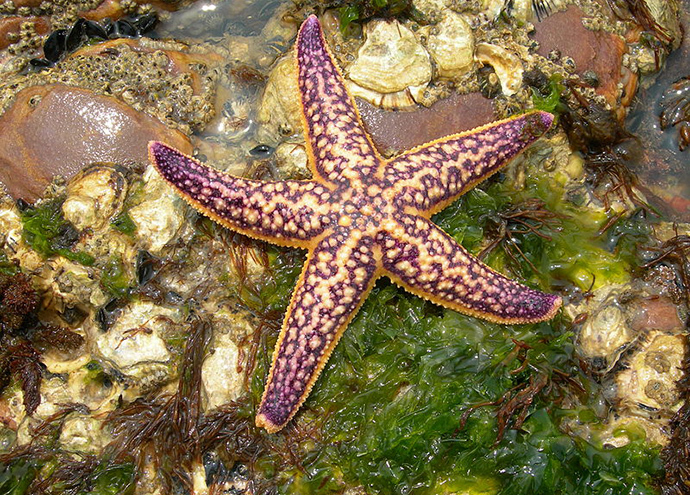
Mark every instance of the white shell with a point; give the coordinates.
(280, 109)
(649, 383)
(451, 45)
(507, 65)
(94, 196)
(136, 337)
(219, 373)
(391, 59)
(606, 334)
(159, 217)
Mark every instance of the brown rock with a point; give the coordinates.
(396, 131)
(655, 313)
(597, 51)
(57, 129)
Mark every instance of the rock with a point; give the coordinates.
(598, 51)
(451, 45)
(655, 313)
(391, 59)
(394, 132)
(57, 130)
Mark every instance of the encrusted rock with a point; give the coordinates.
(648, 384)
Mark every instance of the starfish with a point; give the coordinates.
(360, 217)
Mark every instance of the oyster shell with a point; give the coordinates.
(159, 216)
(391, 59)
(507, 65)
(94, 197)
(392, 67)
(451, 45)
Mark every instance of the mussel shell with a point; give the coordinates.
(54, 46)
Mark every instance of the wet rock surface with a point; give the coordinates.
(394, 132)
(57, 130)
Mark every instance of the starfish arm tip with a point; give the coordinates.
(551, 304)
(262, 421)
(546, 117)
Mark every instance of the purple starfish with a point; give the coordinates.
(360, 217)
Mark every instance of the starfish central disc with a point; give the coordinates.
(360, 217)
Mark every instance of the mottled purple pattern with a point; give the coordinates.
(428, 262)
(437, 173)
(335, 136)
(276, 210)
(328, 294)
(360, 217)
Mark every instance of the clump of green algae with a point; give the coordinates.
(389, 406)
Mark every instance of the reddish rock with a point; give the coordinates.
(597, 51)
(655, 313)
(396, 131)
(11, 25)
(57, 130)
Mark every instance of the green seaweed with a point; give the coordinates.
(114, 278)
(124, 223)
(360, 10)
(49, 234)
(551, 102)
(111, 479)
(16, 477)
(44, 473)
(390, 402)
(7, 267)
(398, 408)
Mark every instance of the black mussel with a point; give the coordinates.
(145, 23)
(95, 30)
(122, 28)
(108, 313)
(262, 150)
(147, 266)
(54, 46)
(76, 36)
(40, 63)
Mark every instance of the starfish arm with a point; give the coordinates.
(338, 147)
(289, 213)
(426, 261)
(336, 279)
(430, 177)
